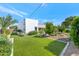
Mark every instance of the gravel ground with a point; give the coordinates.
(60, 37)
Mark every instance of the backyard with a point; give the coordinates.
(32, 37)
(36, 46)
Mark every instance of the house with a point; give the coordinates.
(27, 25)
(41, 26)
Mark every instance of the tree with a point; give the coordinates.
(60, 28)
(49, 28)
(6, 22)
(74, 34)
(67, 22)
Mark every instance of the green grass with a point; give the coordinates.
(32, 46)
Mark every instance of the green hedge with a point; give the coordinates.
(75, 31)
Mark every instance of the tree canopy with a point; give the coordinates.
(67, 22)
(49, 28)
(6, 22)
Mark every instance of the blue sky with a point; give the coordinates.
(54, 12)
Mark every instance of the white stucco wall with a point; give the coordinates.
(30, 24)
(21, 25)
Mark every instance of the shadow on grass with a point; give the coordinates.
(55, 47)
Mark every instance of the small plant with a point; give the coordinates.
(32, 33)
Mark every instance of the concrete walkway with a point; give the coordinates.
(72, 50)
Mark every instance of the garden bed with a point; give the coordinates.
(5, 49)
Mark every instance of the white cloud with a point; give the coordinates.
(43, 5)
(51, 20)
(21, 12)
(11, 11)
(47, 20)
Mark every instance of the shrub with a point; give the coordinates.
(14, 32)
(19, 31)
(66, 31)
(5, 47)
(74, 34)
(2, 40)
(32, 33)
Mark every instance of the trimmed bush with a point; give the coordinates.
(32, 33)
(75, 31)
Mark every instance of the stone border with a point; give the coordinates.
(64, 50)
(12, 40)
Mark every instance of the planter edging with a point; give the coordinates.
(64, 50)
(12, 40)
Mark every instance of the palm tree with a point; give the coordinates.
(6, 23)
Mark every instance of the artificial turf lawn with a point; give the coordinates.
(35, 46)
